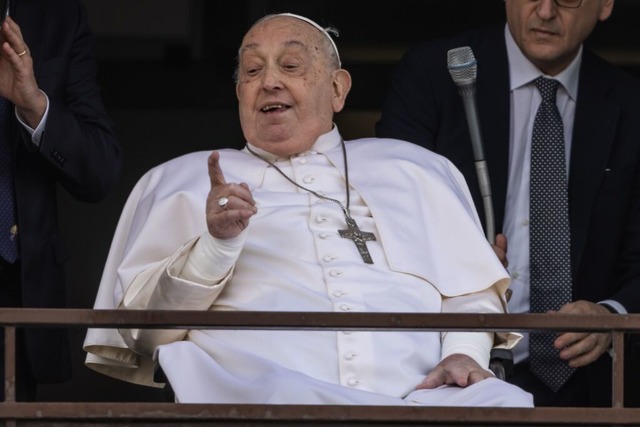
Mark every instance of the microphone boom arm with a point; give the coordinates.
(467, 93)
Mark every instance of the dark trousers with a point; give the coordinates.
(10, 296)
(574, 393)
(582, 390)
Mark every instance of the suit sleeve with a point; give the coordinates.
(79, 142)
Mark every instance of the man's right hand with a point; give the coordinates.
(229, 221)
(17, 79)
(500, 248)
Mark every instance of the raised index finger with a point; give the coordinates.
(215, 173)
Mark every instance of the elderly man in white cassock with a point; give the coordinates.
(301, 220)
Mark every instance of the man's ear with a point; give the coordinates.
(607, 9)
(341, 88)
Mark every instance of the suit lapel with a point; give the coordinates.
(593, 137)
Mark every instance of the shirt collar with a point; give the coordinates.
(523, 72)
(324, 143)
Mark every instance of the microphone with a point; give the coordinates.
(4, 10)
(463, 68)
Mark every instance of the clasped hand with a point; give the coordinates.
(17, 80)
(577, 348)
(582, 348)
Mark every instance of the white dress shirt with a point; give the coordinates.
(36, 134)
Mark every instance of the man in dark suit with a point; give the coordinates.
(600, 112)
(54, 131)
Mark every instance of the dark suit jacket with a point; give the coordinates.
(423, 107)
(78, 150)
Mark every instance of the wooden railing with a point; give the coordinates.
(140, 413)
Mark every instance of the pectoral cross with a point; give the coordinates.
(359, 237)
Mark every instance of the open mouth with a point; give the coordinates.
(273, 107)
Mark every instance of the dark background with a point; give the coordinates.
(165, 71)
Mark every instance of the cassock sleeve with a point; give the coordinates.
(157, 227)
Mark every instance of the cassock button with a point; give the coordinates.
(308, 179)
(350, 356)
(345, 307)
(352, 382)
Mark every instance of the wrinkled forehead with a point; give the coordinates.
(287, 28)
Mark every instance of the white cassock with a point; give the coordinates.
(430, 255)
